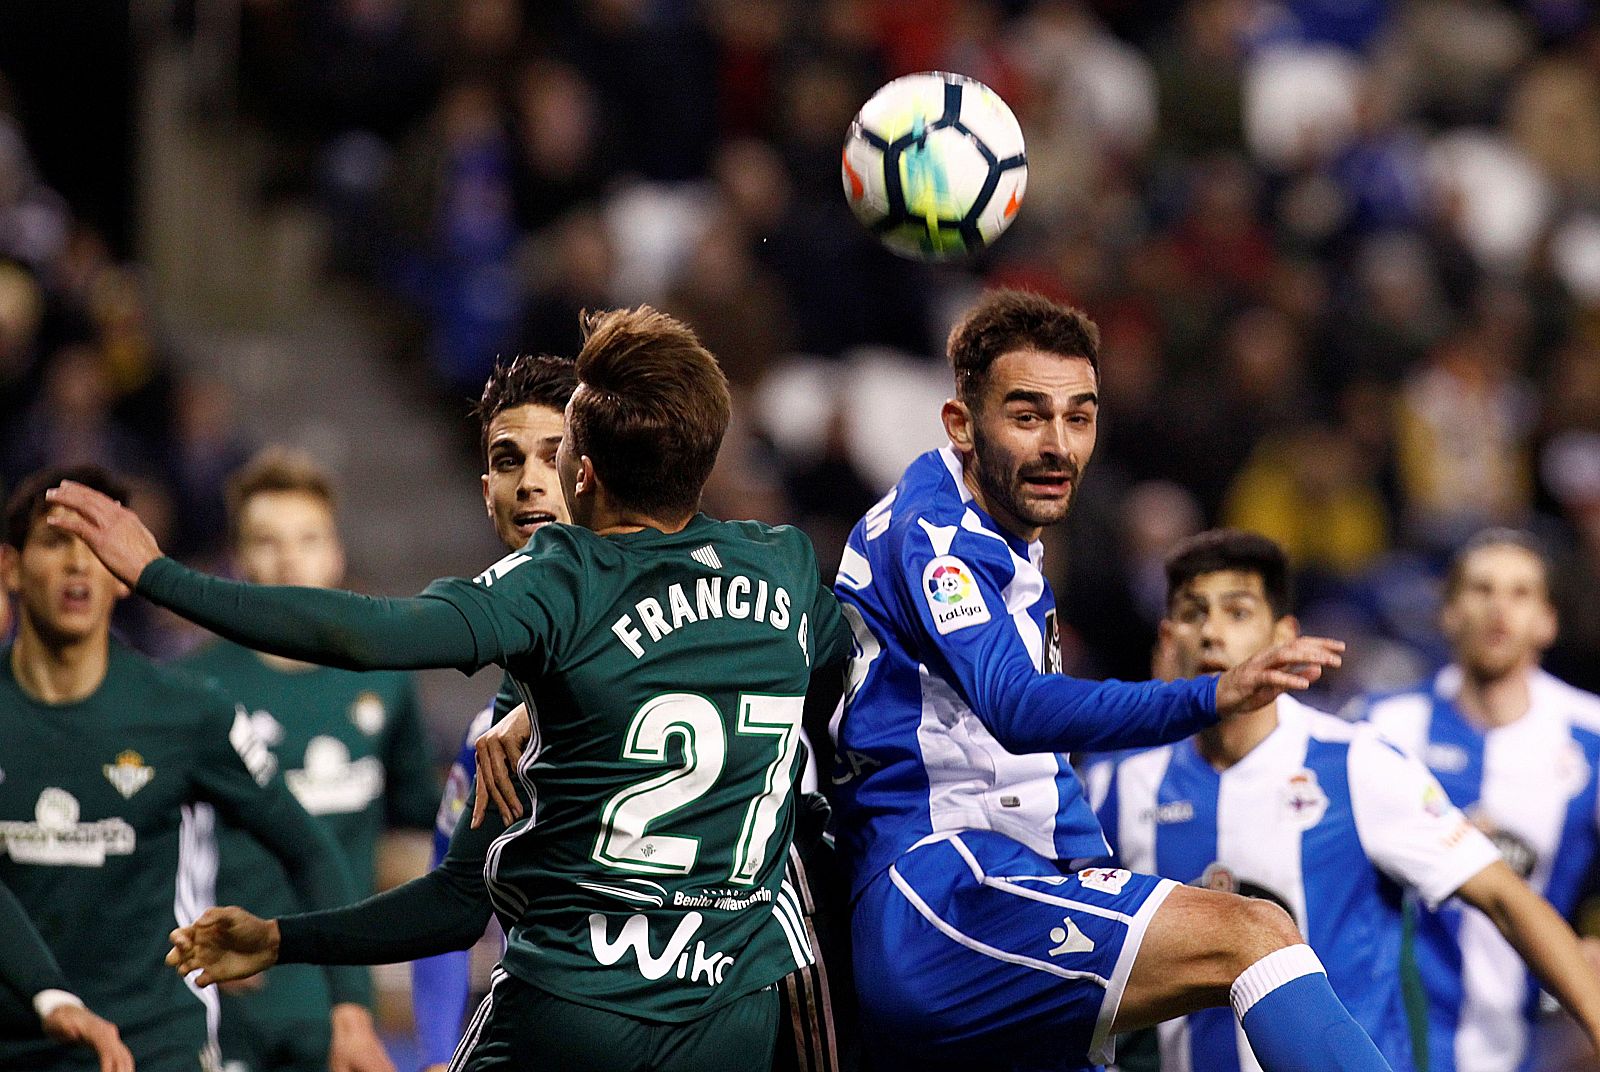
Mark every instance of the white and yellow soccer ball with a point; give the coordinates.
(934, 165)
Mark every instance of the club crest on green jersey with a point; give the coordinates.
(128, 774)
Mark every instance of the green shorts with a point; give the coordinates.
(283, 1027)
(521, 1027)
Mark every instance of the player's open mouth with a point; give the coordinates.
(1058, 484)
(531, 520)
(76, 596)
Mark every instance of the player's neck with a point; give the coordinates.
(610, 518)
(1231, 740)
(1496, 701)
(59, 673)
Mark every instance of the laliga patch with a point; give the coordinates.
(953, 595)
(1105, 879)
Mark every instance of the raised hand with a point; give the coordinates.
(224, 944)
(113, 532)
(499, 748)
(74, 1023)
(1269, 674)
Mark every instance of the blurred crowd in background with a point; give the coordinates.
(1345, 258)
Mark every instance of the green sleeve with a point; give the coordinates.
(27, 966)
(831, 639)
(411, 792)
(445, 910)
(234, 777)
(318, 625)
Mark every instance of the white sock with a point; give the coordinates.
(1270, 972)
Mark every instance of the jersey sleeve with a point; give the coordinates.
(447, 909)
(237, 776)
(27, 967)
(1407, 825)
(317, 625)
(1100, 785)
(411, 791)
(524, 606)
(441, 985)
(955, 598)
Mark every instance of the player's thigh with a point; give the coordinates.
(738, 1037)
(975, 949)
(520, 1027)
(1197, 944)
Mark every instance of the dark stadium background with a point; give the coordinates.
(1345, 257)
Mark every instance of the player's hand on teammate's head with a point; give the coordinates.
(224, 944)
(1269, 674)
(356, 1046)
(74, 1023)
(498, 748)
(113, 532)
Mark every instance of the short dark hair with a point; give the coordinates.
(524, 380)
(650, 410)
(282, 470)
(1521, 539)
(1004, 321)
(1217, 550)
(27, 504)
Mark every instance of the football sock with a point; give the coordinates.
(1294, 1021)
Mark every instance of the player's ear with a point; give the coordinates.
(10, 561)
(1285, 629)
(587, 481)
(1548, 625)
(957, 418)
(488, 500)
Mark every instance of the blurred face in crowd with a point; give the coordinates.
(62, 592)
(1499, 618)
(1218, 620)
(1030, 436)
(521, 490)
(289, 537)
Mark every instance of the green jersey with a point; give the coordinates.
(351, 748)
(106, 842)
(667, 674)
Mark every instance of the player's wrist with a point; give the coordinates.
(46, 1002)
(350, 1014)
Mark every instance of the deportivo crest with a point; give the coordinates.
(368, 714)
(1304, 802)
(128, 774)
(953, 595)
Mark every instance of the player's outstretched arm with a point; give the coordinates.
(326, 626)
(225, 944)
(1267, 675)
(1543, 939)
(76, 1024)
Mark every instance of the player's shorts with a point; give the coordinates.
(974, 947)
(520, 1027)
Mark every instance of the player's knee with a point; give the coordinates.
(1261, 927)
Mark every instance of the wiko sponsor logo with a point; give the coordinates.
(697, 965)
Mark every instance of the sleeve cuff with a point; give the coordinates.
(157, 576)
(46, 1002)
(1477, 854)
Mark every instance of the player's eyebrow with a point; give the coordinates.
(1044, 398)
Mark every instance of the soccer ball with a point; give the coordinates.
(934, 165)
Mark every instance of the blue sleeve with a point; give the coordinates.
(1100, 782)
(441, 985)
(969, 637)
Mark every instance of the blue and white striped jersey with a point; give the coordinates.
(1327, 819)
(1531, 786)
(954, 718)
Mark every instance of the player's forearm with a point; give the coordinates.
(424, 917)
(327, 626)
(1549, 948)
(27, 967)
(1053, 713)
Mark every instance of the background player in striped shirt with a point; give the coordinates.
(1326, 819)
(1517, 750)
(975, 940)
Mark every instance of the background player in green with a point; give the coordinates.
(666, 656)
(350, 746)
(106, 757)
(29, 972)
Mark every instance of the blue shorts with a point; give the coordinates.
(973, 946)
